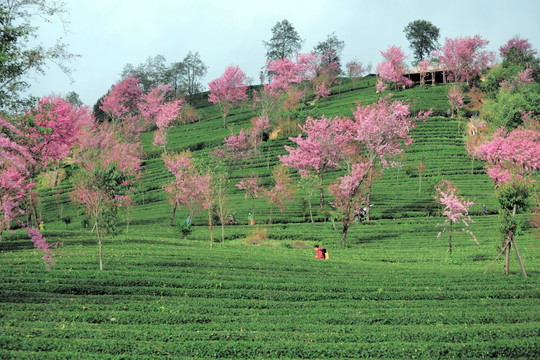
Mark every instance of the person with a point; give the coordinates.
(484, 209)
(232, 220)
(318, 252)
(41, 226)
(188, 220)
(250, 218)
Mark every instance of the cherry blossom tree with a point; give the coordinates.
(512, 160)
(455, 98)
(523, 45)
(168, 112)
(464, 57)
(14, 186)
(456, 209)
(187, 188)
(154, 109)
(283, 190)
(121, 102)
(228, 90)
(391, 69)
(317, 152)
(30, 143)
(103, 191)
(379, 131)
(355, 70)
(348, 195)
(252, 189)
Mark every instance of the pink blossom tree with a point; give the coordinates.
(121, 104)
(154, 109)
(464, 57)
(317, 151)
(103, 192)
(392, 68)
(379, 131)
(187, 189)
(168, 112)
(283, 190)
(347, 194)
(523, 45)
(30, 143)
(110, 166)
(355, 70)
(228, 90)
(456, 209)
(14, 186)
(455, 98)
(512, 160)
(252, 189)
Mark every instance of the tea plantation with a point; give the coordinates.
(392, 292)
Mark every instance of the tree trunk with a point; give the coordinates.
(98, 232)
(420, 186)
(507, 253)
(344, 233)
(472, 165)
(450, 239)
(222, 232)
(172, 214)
(271, 208)
(368, 194)
(224, 120)
(519, 258)
(321, 190)
(310, 211)
(210, 227)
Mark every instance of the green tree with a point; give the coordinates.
(193, 70)
(423, 37)
(73, 98)
(331, 49)
(20, 53)
(285, 41)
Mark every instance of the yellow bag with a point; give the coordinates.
(326, 255)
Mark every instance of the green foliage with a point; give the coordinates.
(504, 110)
(423, 37)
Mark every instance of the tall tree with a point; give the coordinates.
(380, 132)
(330, 50)
(150, 73)
(285, 41)
(193, 70)
(20, 54)
(423, 37)
(513, 160)
(228, 90)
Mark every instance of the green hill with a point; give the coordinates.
(393, 292)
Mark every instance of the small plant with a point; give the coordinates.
(183, 229)
(257, 236)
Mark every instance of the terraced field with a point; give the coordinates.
(392, 292)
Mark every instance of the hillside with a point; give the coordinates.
(393, 292)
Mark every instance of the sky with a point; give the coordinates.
(108, 34)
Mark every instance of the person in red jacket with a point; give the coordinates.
(318, 252)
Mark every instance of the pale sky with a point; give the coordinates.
(108, 34)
